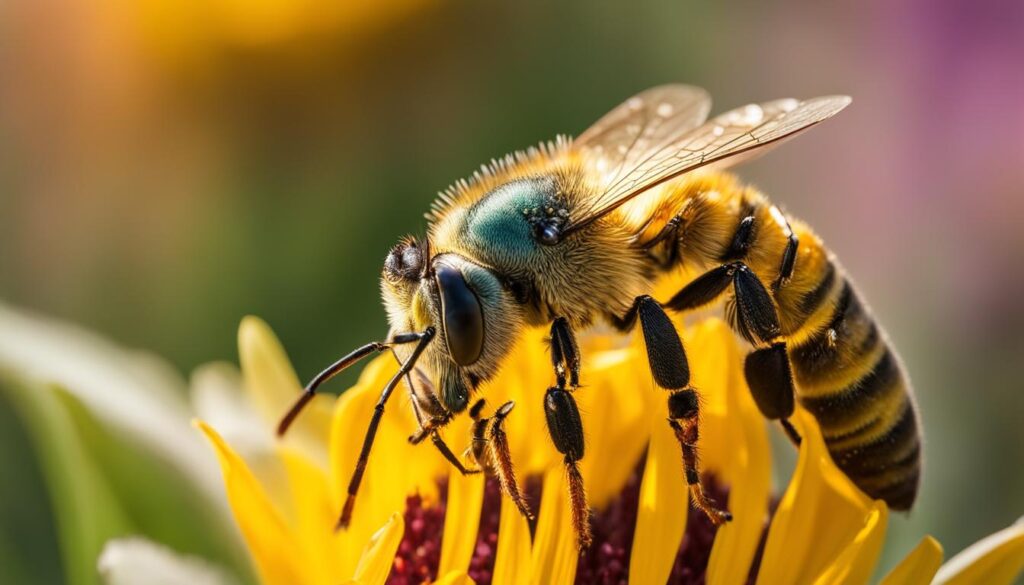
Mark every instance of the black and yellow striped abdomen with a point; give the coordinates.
(851, 380)
(846, 373)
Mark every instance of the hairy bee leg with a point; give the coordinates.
(338, 367)
(566, 429)
(565, 425)
(424, 339)
(687, 435)
(671, 371)
(490, 449)
(500, 454)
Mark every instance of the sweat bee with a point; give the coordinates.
(575, 232)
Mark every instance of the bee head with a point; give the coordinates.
(475, 316)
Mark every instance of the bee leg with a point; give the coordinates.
(668, 232)
(788, 262)
(443, 448)
(339, 366)
(566, 429)
(423, 339)
(488, 433)
(704, 289)
(767, 368)
(770, 381)
(430, 426)
(671, 371)
(791, 431)
(565, 354)
(565, 425)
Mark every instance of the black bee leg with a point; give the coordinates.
(566, 430)
(791, 431)
(565, 425)
(767, 368)
(671, 371)
(447, 453)
(339, 366)
(565, 354)
(704, 289)
(490, 448)
(668, 233)
(788, 262)
(771, 384)
(429, 427)
(423, 339)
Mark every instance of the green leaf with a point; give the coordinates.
(160, 502)
(86, 510)
(104, 485)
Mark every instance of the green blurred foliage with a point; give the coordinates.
(100, 485)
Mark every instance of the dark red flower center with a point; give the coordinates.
(606, 562)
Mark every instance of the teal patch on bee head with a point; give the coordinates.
(513, 218)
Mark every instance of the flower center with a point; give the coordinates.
(606, 561)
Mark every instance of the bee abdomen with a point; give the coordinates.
(852, 382)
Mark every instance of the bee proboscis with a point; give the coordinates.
(576, 231)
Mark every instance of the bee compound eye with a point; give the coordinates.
(404, 261)
(463, 318)
(412, 259)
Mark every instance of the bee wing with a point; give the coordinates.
(730, 138)
(643, 124)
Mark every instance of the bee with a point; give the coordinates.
(575, 232)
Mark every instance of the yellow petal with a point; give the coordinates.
(615, 418)
(395, 469)
(820, 515)
(315, 516)
(270, 540)
(461, 521)
(919, 566)
(661, 515)
(856, 564)
(554, 547)
(379, 554)
(733, 445)
(994, 560)
(273, 387)
(455, 578)
(512, 563)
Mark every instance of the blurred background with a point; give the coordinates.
(167, 167)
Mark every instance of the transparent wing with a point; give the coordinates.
(735, 136)
(643, 124)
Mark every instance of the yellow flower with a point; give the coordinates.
(823, 531)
